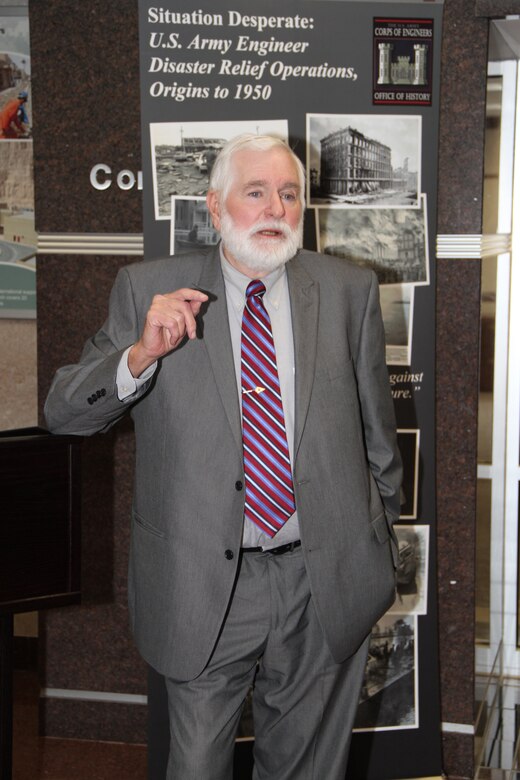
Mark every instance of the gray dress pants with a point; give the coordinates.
(304, 703)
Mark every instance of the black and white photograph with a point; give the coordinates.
(364, 160)
(397, 310)
(393, 242)
(389, 695)
(412, 570)
(408, 443)
(191, 226)
(183, 154)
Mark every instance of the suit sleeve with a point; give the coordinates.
(83, 397)
(377, 406)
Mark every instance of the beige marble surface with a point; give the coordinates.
(18, 385)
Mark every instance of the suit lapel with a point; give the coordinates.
(217, 341)
(304, 295)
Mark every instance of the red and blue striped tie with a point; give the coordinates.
(269, 487)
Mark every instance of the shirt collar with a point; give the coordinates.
(237, 282)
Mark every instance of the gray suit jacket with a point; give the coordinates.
(188, 504)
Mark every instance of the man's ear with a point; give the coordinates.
(213, 204)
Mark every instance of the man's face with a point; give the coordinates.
(261, 218)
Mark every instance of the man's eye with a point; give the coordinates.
(254, 194)
(290, 196)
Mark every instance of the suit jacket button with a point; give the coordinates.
(229, 555)
(238, 485)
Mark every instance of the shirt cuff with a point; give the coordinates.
(128, 385)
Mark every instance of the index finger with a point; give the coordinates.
(194, 299)
(189, 294)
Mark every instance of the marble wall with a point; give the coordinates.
(86, 111)
(89, 648)
(463, 95)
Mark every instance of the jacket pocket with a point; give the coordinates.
(380, 527)
(385, 533)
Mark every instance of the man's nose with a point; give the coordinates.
(275, 207)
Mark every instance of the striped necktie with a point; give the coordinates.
(269, 498)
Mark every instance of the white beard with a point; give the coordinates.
(256, 253)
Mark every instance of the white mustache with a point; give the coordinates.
(273, 224)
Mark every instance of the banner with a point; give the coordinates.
(354, 88)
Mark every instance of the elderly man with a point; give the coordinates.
(267, 475)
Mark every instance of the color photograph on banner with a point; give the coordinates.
(358, 101)
(17, 232)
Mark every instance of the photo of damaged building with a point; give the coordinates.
(392, 242)
(357, 169)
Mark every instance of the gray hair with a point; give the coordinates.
(221, 176)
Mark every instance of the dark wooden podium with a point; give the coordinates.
(39, 543)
